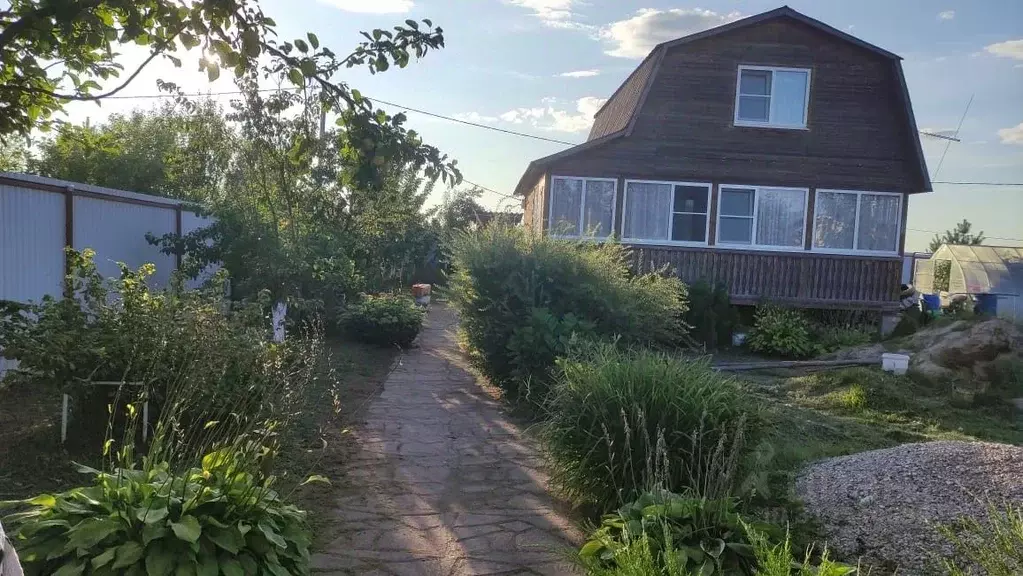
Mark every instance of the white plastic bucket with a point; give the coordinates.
(896, 363)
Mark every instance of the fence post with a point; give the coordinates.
(69, 233)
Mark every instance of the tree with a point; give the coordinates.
(179, 150)
(959, 235)
(13, 155)
(56, 51)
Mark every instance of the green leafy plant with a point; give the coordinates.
(781, 332)
(502, 274)
(216, 519)
(942, 275)
(711, 316)
(993, 544)
(534, 347)
(854, 398)
(385, 319)
(697, 535)
(619, 422)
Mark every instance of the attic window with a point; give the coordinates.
(772, 97)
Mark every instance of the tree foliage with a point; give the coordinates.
(959, 235)
(179, 150)
(56, 51)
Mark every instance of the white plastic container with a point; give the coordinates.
(895, 363)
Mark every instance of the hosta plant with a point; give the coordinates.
(212, 520)
(698, 535)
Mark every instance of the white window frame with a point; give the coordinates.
(856, 225)
(671, 214)
(582, 209)
(769, 124)
(756, 220)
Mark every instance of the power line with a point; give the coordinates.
(377, 100)
(978, 183)
(986, 237)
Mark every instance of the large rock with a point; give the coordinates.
(884, 506)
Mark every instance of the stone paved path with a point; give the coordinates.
(444, 483)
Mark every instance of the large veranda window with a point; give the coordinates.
(582, 207)
(665, 212)
(762, 217)
(847, 221)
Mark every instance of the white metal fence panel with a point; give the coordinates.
(31, 243)
(117, 232)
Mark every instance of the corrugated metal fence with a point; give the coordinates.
(40, 216)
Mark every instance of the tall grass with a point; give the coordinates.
(993, 544)
(622, 421)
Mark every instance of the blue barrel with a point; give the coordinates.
(932, 302)
(987, 304)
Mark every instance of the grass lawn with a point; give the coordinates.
(845, 411)
(32, 460)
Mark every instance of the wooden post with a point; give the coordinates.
(811, 205)
(69, 234)
(177, 230)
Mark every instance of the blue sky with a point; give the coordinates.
(544, 66)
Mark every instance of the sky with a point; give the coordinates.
(543, 67)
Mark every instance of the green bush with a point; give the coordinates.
(503, 274)
(781, 332)
(384, 320)
(832, 338)
(207, 521)
(621, 422)
(534, 347)
(120, 330)
(696, 535)
(711, 316)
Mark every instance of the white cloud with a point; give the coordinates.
(549, 118)
(555, 13)
(476, 117)
(1012, 135)
(372, 6)
(1008, 49)
(580, 74)
(635, 37)
(947, 15)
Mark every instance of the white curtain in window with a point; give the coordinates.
(879, 222)
(788, 102)
(597, 212)
(566, 200)
(834, 220)
(647, 210)
(780, 217)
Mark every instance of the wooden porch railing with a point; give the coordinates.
(807, 279)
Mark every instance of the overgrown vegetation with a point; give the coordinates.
(384, 320)
(620, 422)
(711, 317)
(993, 544)
(521, 298)
(781, 331)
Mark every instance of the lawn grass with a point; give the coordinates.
(834, 413)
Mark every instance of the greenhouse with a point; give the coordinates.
(992, 274)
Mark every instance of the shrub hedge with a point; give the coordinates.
(384, 320)
(521, 297)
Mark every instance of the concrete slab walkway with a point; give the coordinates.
(443, 483)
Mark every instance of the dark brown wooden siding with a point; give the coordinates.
(798, 279)
(615, 115)
(858, 131)
(534, 206)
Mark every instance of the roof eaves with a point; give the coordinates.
(914, 133)
(783, 11)
(524, 181)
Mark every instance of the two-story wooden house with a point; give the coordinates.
(775, 153)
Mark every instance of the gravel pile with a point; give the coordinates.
(884, 505)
